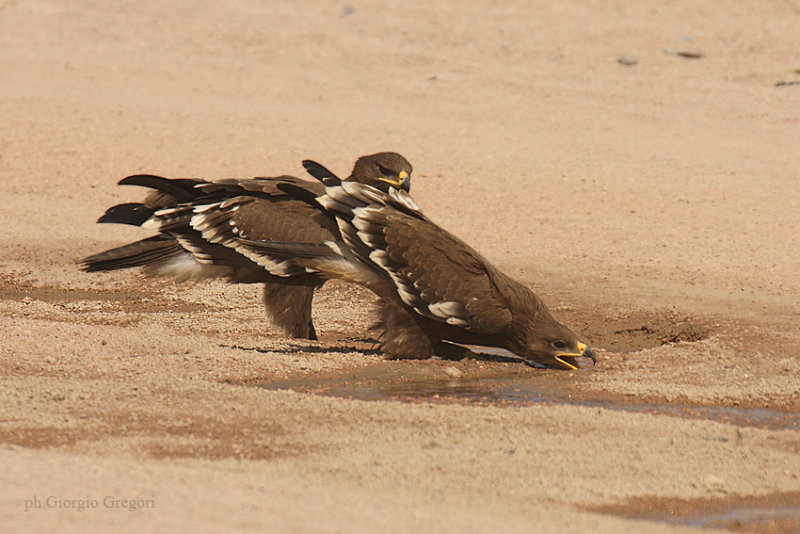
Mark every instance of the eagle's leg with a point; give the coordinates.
(312, 334)
(402, 337)
(289, 309)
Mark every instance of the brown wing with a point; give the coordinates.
(210, 226)
(263, 211)
(435, 273)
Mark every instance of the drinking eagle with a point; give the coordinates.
(434, 287)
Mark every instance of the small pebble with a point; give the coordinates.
(628, 60)
(453, 372)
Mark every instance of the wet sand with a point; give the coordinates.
(653, 203)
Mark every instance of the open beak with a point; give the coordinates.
(570, 359)
(403, 181)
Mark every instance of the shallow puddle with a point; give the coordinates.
(766, 514)
(508, 385)
(483, 384)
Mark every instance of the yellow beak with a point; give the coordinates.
(582, 350)
(402, 177)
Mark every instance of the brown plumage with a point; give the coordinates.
(200, 223)
(435, 287)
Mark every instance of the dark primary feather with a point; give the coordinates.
(317, 170)
(181, 189)
(165, 193)
(134, 213)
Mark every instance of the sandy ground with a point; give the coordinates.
(655, 207)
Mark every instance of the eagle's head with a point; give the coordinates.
(383, 171)
(543, 341)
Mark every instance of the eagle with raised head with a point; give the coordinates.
(200, 225)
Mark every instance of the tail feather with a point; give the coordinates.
(147, 251)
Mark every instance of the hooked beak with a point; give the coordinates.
(403, 181)
(569, 359)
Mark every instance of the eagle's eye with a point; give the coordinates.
(384, 170)
(558, 344)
